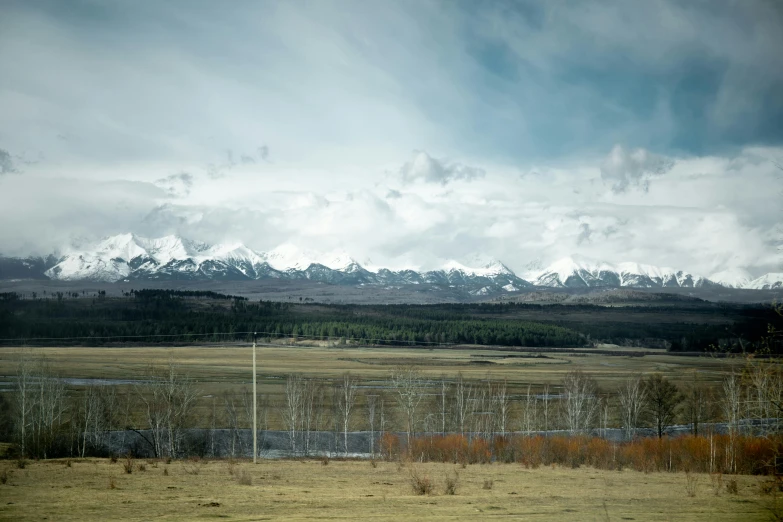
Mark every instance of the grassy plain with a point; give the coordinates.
(227, 369)
(189, 490)
(230, 365)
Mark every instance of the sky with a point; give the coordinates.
(406, 133)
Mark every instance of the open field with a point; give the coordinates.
(190, 490)
(220, 368)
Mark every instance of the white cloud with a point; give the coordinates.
(430, 170)
(296, 126)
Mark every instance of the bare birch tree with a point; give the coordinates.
(502, 406)
(632, 397)
(463, 403)
(580, 403)
(292, 408)
(371, 403)
(408, 385)
(732, 407)
(167, 399)
(23, 401)
(345, 403)
(529, 407)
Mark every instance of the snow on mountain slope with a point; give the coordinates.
(732, 278)
(771, 281)
(575, 272)
(493, 268)
(128, 256)
(290, 257)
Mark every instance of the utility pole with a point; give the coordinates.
(255, 427)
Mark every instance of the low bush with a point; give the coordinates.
(421, 483)
(450, 483)
(696, 454)
(244, 478)
(127, 464)
(731, 487)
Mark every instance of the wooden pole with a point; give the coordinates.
(255, 426)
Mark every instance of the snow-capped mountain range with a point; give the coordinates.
(128, 257)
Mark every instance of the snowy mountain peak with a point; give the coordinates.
(771, 281)
(732, 278)
(491, 268)
(131, 257)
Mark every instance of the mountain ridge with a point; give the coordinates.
(128, 257)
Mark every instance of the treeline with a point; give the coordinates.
(442, 419)
(155, 316)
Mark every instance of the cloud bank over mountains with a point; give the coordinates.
(407, 132)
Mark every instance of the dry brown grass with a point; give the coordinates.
(226, 369)
(354, 490)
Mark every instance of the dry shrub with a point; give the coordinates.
(3, 477)
(389, 446)
(421, 483)
(488, 483)
(731, 487)
(688, 453)
(716, 481)
(141, 466)
(231, 467)
(373, 463)
(168, 460)
(68, 463)
(244, 478)
(112, 483)
(450, 483)
(324, 461)
(691, 482)
(21, 463)
(128, 464)
(165, 472)
(113, 459)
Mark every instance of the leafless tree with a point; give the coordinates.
(502, 406)
(167, 399)
(310, 410)
(371, 403)
(698, 404)
(23, 386)
(463, 403)
(663, 399)
(444, 388)
(235, 422)
(632, 397)
(292, 408)
(545, 406)
(408, 385)
(482, 418)
(529, 407)
(732, 404)
(91, 415)
(580, 403)
(345, 403)
(40, 405)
